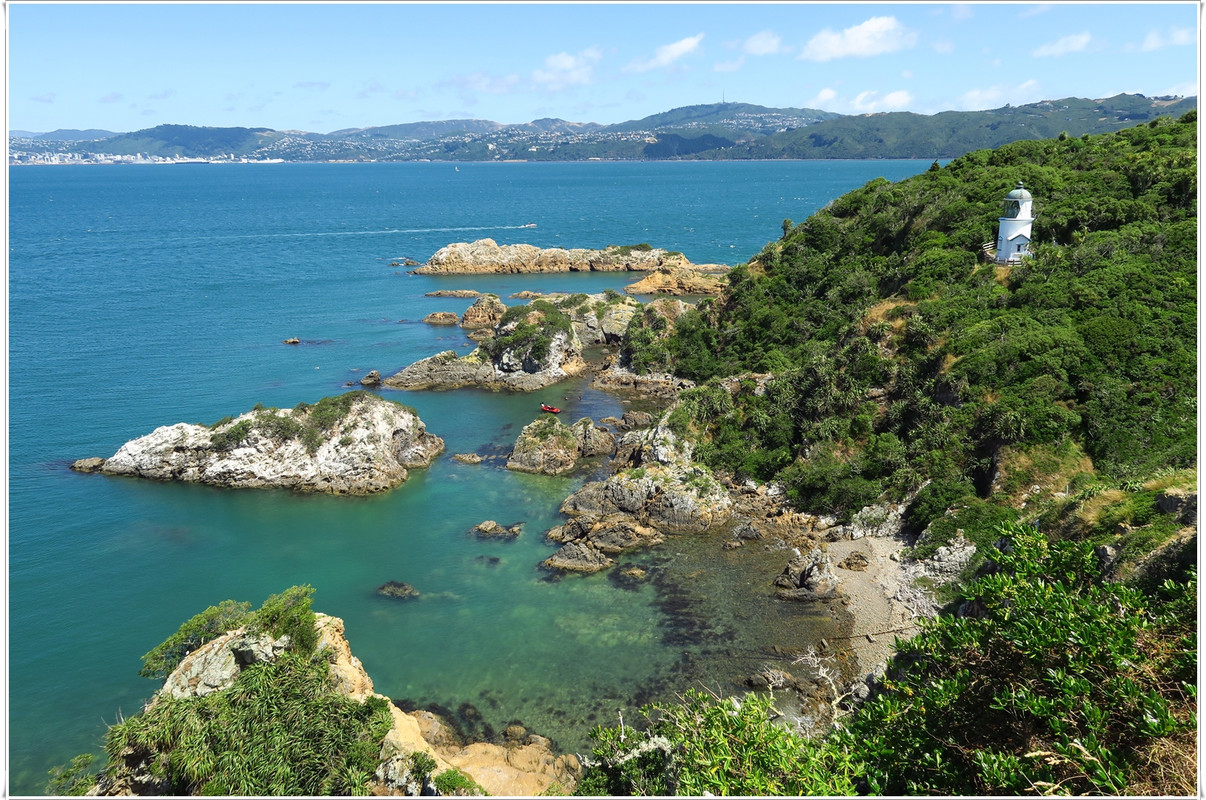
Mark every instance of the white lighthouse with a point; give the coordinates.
(1013, 236)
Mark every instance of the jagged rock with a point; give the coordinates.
(216, 665)
(88, 464)
(486, 312)
(593, 440)
(635, 419)
(398, 590)
(373, 378)
(487, 256)
(578, 556)
(368, 450)
(808, 577)
(468, 458)
(481, 334)
(612, 534)
(1180, 502)
(677, 281)
(490, 528)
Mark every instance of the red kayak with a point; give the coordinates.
(549, 409)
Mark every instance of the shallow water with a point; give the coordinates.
(144, 296)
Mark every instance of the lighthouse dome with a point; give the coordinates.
(1019, 193)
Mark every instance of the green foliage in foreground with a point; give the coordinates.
(280, 730)
(287, 613)
(1063, 684)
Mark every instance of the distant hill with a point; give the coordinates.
(951, 134)
(717, 131)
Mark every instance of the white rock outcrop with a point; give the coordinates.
(368, 449)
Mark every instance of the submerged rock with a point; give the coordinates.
(398, 590)
(356, 443)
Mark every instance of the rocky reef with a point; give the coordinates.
(533, 346)
(355, 443)
(677, 281)
(487, 256)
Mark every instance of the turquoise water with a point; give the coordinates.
(143, 296)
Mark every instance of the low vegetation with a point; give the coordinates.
(309, 424)
(1057, 683)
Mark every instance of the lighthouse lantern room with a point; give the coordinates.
(1016, 222)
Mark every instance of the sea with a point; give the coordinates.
(142, 296)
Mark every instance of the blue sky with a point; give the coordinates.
(324, 67)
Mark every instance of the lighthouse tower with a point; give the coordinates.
(1013, 236)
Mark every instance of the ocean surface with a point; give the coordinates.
(144, 296)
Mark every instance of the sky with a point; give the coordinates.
(322, 67)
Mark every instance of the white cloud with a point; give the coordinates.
(1175, 37)
(824, 96)
(1064, 45)
(897, 99)
(562, 70)
(961, 11)
(876, 36)
(766, 43)
(943, 47)
(1034, 11)
(317, 86)
(997, 96)
(667, 54)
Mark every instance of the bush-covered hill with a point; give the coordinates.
(1046, 410)
(901, 354)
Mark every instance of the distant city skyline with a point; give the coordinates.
(323, 67)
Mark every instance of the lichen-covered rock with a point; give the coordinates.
(356, 443)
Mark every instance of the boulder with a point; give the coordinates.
(486, 312)
(441, 318)
(578, 556)
(373, 379)
(468, 458)
(593, 440)
(368, 448)
(808, 577)
(490, 528)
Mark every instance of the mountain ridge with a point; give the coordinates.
(717, 131)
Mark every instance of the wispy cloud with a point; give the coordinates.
(370, 90)
(563, 70)
(876, 36)
(469, 87)
(43, 98)
(867, 102)
(1074, 43)
(112, 97)
(1034, 11)
(164, 95)
(1175, 37)
(666, 55)
(763, 43)
(999, 95)
(313, 86)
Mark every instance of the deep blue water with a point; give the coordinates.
(144, 296)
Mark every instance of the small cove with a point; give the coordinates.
(140, 296)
